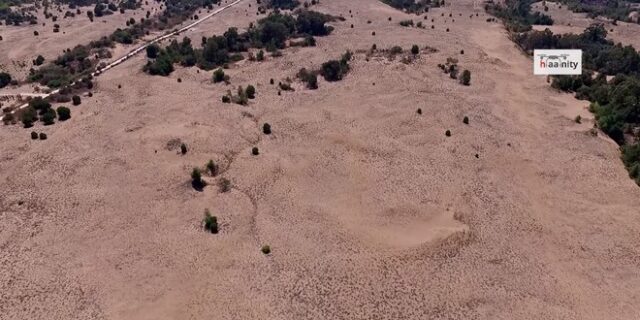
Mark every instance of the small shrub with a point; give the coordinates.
(43, 136)
(34, 135)
(183, 148)
(419, 111)
(225, 185)
(196, 179)
(466, 77)
(210, 222)
(76, 100)
(212, 167)
(447, 133)
(578, 119)
(415, 49)
(395, 50)
(64, 113)
(465, 120)
(251, 92)
(226, 99)
(334, 70)
(266, 128)
(406, 23)
(219, 76)
(255, 151)
(310, 78)
(266, 249)
(39, 60)
(285, 86)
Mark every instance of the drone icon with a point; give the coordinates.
(553, 57)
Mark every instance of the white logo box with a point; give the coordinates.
(557, 62)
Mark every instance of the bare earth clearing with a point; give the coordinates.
(370, 210)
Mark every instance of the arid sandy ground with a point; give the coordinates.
(371, 212)
(566, 21)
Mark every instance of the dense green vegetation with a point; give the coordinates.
(282, 4)
(415, 6)
(517, 16)
(40, 109)
(615, 103)
(15, 16)
(614, 9)
(270, 33)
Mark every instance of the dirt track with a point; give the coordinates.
(371, 211)
(139, 48)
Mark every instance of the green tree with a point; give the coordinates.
(251, 92)
(5, 79)
(49, 116)
(64, 113)
(152, 51)
(28, 117)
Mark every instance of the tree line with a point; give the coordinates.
(270, 33)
